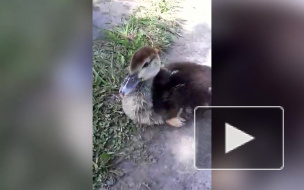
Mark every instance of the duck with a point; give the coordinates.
(154, 94)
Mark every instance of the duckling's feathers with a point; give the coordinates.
(190, 73)
(181, 85)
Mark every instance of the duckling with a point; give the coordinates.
(153, 94)
(136, 90)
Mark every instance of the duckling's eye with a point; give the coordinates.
(146, 64)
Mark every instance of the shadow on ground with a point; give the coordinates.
(173, 149)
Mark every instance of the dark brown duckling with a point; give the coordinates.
(180, 87)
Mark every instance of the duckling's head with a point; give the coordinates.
(145, 65)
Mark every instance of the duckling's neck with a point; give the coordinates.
(146, 85)
(149, 82)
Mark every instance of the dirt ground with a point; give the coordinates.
(172, 148)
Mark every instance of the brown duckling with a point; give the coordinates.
(153, 94)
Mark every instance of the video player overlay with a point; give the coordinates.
(241, 138)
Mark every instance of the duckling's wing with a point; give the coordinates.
(181, 86)
(191, 72)
(189, 84)
(168, 94)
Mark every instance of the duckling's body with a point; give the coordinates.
(179, 88)
(138, 106)
(154, 95)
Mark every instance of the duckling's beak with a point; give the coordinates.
(129, 85)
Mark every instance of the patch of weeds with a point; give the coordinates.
(112, 129)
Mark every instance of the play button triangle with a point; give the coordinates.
(235, 138)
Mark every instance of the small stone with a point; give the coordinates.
(110, 181)
(131, 183)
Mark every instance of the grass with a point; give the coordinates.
(113, 131)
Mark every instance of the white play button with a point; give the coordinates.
(235, 138)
